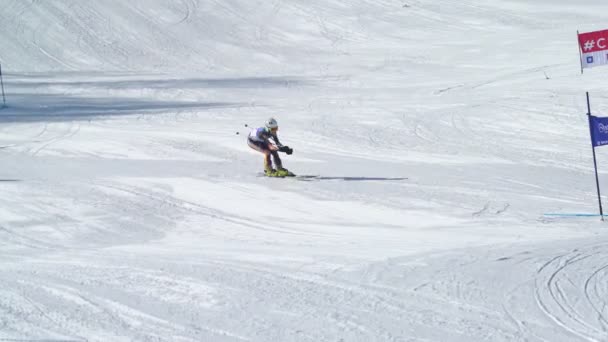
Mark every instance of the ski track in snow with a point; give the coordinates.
(131, 211)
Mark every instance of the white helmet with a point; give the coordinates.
(271, 124)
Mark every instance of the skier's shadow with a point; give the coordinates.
(10, 180)
(353, 178)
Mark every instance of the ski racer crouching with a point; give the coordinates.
(264, 139)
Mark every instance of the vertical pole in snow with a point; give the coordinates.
(597, 181)
(2, 86)
(580, 55)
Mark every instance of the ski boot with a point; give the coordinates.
(270, 172)
(281, 172)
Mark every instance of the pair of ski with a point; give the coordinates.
(334, 178)
(289, 175)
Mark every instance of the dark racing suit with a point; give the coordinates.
(259, 140)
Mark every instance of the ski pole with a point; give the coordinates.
(237, 133)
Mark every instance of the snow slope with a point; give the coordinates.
(132, 211)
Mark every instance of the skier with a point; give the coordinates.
(265, 140)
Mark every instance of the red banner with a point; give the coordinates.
(594, 48)
(593, 41)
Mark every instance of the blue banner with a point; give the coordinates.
(599, 130)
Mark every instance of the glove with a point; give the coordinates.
(286, 149)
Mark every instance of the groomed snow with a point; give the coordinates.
(131, 209)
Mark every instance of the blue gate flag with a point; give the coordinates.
(599, 130)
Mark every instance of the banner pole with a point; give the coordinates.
(2, 85)
(597, 181)
(580, 55)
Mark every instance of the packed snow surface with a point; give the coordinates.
(442, 132)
